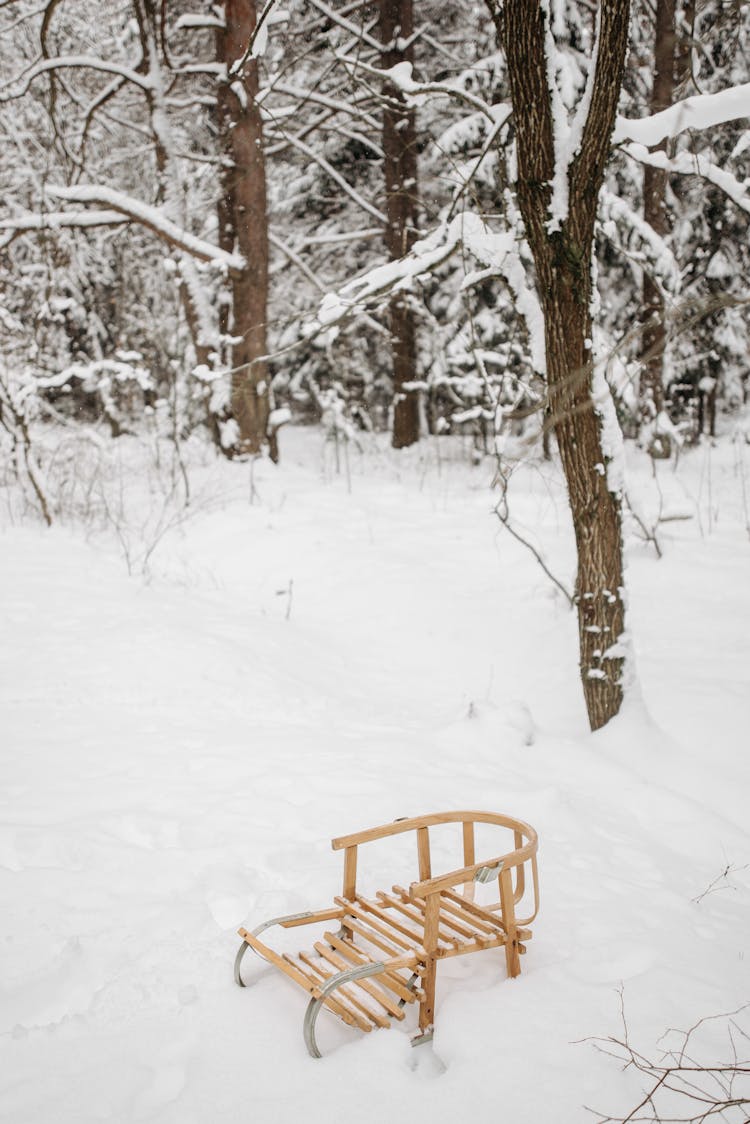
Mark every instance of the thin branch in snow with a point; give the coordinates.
(347, 236)
(201, 20)
(350, 107)
(502, 511)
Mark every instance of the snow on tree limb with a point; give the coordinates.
(19, 85)
(614, 211)
(201, 20)
(702, 111)
(497, 253)
(417, 93)
(691, 164)
(152, 218)
(55, 220)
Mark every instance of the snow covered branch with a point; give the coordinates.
(19, 85)
(200, 20)
(360, 34)
(153, 219)
(417, 93)
(616, 212)
(691, 164)
(702, 111)
(496, 253)
(55, 220)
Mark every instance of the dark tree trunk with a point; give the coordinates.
(244, 227)
(563, 267)
(654, 337)
(401, 202)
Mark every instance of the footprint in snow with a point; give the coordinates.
(166, 1085)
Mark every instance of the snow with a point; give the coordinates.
(55, 220)
(616, 214)
(701, 111)
(419, 93)
(151, 217)
(496, 252)
(199, 20)
(692, 164)
(177, 753)
(20, 85)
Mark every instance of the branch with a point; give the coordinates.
(153, 219)
(55, 220)
(237, 67)
(67, 62)
(690, 164)
(101, 99)
(294, 257)
(349, 107)
(414, 92)
(352, 28)
(198, 20)
(502, 513)
(393, 277)
(339, 179)
(598, 106)
(701, 111)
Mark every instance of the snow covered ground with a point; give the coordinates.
(177, 753)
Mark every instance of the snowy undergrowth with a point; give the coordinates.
(178, 752)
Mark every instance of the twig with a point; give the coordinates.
(713, 886)
(700, 1092)
(504, 519)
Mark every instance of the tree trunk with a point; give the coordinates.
(244, 226)
(562, 259)
(171, 194)
(401, 202)
(654, 337)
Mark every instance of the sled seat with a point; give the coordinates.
(380, 953)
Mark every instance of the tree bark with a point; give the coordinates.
(243, 217)
(171, 194)
(396, 24)
(654, 336)
(563, 259)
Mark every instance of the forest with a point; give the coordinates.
(374, 441)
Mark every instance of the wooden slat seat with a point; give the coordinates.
(384, 954)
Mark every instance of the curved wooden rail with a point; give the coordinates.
(526, 844)
(408, 929)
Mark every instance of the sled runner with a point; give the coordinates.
(380, 953)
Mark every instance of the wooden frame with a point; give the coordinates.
(386, 949)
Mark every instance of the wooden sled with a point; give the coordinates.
(381, 952)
